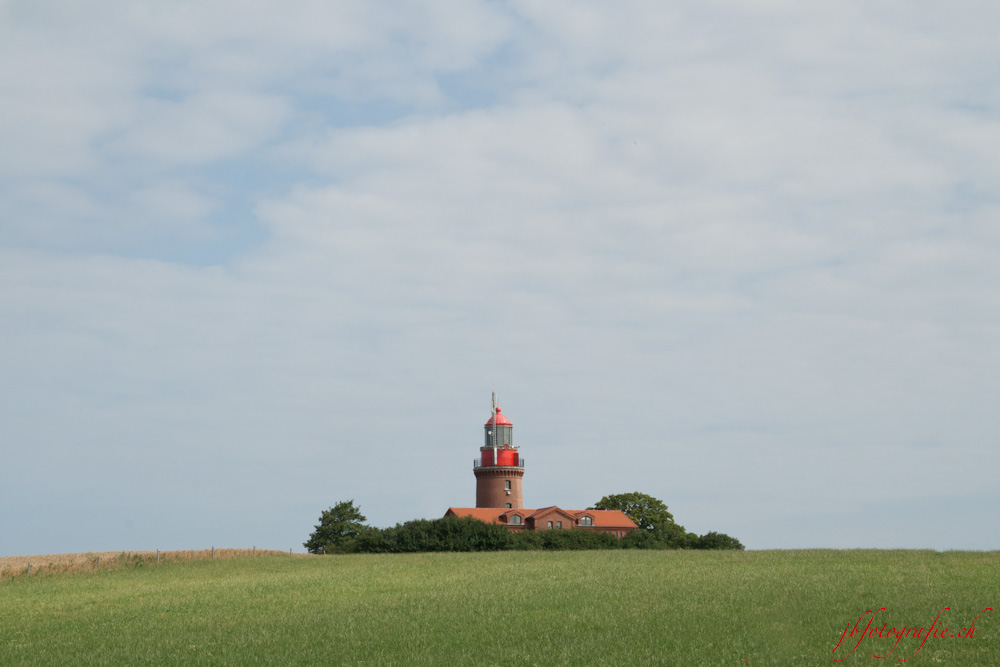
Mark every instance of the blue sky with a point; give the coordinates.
(256, 259)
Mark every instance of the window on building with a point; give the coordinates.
(550, 525)
(515, 520)
(506, 484)
(586, 521)
(558, 524)
(507, 506)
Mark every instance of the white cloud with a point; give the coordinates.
(203, 128)
(738, 250)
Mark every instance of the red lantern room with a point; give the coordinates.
(499, 433)
(499, 468)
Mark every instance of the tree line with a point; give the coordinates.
(342, 529)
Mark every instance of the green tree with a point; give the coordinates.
(650, 514)
(337, 527)
(714, 540)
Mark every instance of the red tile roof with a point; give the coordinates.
(552, 509)
(608, 518)
(487, 514)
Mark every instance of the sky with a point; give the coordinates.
(257, 258)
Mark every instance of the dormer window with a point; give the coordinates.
(515, 520)
(586, 521)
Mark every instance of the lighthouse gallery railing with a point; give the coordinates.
(476, 463)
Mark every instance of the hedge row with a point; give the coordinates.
(469, 534)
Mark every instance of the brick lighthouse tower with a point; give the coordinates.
(499, 468)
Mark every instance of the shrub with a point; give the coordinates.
(447, 534)
(641, 539)
(563, 540)
(715, 540)
(527, 540)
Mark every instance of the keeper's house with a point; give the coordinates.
(499, 470)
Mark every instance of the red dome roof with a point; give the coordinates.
(501, 420)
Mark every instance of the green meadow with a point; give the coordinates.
(509, 608)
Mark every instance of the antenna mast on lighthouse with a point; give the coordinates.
(493, 411)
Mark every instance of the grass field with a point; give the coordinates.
(521, 608)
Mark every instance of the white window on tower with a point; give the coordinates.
(506, 484)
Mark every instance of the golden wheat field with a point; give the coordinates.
(12, 566)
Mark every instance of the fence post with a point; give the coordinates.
(213, 553)
(28, 574)
(98, 562)
(157, 555)
(254, 550)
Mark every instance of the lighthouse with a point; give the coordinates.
(499, 468)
